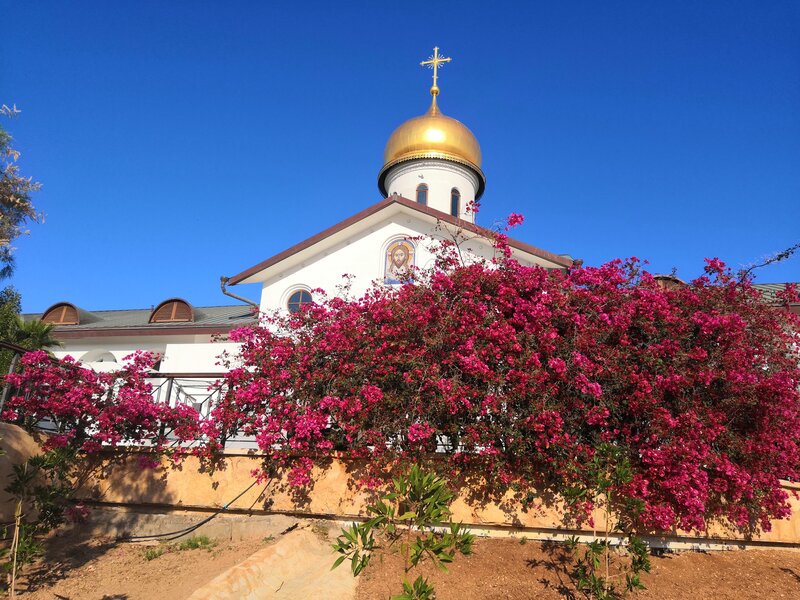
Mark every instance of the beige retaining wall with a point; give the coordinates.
(194, 485)
(16, 447)
(335, 495)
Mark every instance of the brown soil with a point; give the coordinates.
(499, 568)
(109, 570)
(507, 569)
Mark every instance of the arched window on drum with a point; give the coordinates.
(455, 202)
(422, 193)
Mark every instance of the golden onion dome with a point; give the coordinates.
(433, 135)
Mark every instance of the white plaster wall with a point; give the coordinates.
(196, 358)
(362, 256)
(82, 349)
(180, 354)
(441, 177)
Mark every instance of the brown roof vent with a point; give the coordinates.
(62, 313)
(173, 310)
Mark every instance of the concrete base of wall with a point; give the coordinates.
(158, 524)
(163, 523)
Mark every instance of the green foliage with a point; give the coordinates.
(152, 553)
(585, 573)
(16, 209)
(416, 516)
(419, 590)
(43, 483)
(31, 335)
(356, 545)
(197, 541)
(588, 576)
(28, 548)
(640, 562)
(10, 307)
(34, 334)
(608, 470)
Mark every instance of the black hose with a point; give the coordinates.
(181, 532)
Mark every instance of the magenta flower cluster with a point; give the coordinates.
(523, 374)
(93, 411)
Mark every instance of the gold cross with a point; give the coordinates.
(433, 62)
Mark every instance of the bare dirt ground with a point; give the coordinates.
(109, 570)
(500, 568)
(507, 569)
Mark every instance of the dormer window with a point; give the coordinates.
(422, 194)
(455, 202)
(62, 313)
(173, 310)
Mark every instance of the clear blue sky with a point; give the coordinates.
(178, 141)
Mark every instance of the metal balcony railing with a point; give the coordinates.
(202, 391)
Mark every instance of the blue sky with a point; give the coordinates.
(178, 141)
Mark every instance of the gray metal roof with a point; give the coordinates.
(204, 316)
(768, 290)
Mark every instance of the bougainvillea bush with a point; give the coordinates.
(680, 403)
(89, 411)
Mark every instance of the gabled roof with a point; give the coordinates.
(556, 260)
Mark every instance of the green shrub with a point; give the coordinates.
(197, 541)
(415, 516)
(153, 553)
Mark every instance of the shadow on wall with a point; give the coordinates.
(74, 544)
(17, 446)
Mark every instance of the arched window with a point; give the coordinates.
(422, 193)
(455, 202)
(299, 299)
(173, 310)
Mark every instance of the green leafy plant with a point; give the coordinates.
(607, 471)
(197, 541)
(590, 577)
(152, 553)
(42, 483)
(419, 590)
(414, 516)
(356, 545)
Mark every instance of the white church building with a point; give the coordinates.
(430, 178)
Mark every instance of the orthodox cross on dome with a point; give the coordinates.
(433, 62)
